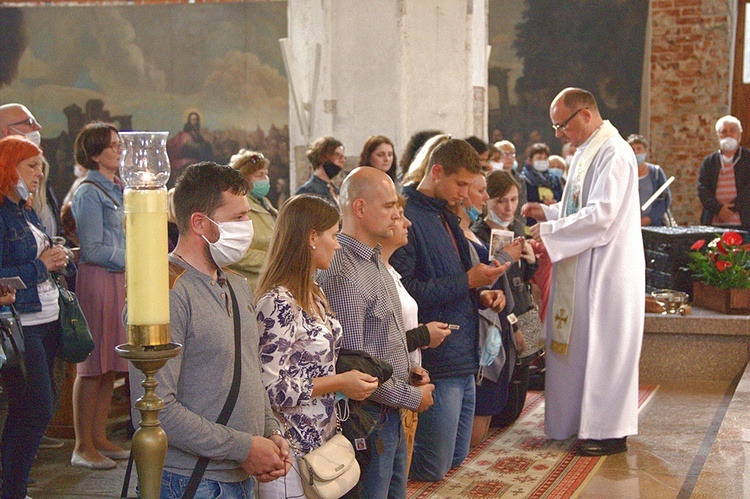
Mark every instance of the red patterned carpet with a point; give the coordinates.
(519, 462)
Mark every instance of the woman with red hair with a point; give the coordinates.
(26, 251)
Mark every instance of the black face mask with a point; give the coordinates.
(331, 169)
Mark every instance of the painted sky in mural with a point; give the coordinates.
(156, 63)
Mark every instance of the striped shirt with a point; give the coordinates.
(726, 192)
(362, 293)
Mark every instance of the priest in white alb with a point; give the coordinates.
(595, 316)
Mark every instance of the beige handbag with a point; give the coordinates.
(331, 470)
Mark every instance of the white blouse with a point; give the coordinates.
(410, 311)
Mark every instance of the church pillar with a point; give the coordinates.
(391, 67)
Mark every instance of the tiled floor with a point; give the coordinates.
(677, 430)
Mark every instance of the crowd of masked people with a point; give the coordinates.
(380, 306)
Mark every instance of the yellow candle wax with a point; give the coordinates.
(146, 264)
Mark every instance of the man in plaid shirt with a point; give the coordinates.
(366, 302)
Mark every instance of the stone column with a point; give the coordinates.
(390, 67)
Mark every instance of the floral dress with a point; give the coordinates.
(296, 347)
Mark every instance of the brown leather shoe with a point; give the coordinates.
(605, 447)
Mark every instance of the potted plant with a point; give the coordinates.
(721, 273)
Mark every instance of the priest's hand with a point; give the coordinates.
(494, 299)
(481, 274)
(534, 232)
(533, 210)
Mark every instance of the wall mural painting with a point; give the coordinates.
(210, 74)
(540, 47)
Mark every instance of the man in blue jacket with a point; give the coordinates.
(436, 270)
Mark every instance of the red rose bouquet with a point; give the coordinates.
(724, 262)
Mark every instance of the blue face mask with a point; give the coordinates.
(555, 173)
(515, 164)
(640, 158)
(473, 213)
(492, 346)
(260, 188)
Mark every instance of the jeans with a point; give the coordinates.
(30, 406)
(385, 474)
(173, 487)
(444, 430)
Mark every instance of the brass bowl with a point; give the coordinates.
(670, 300)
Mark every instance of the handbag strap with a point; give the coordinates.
(117, 205)
(226, 411)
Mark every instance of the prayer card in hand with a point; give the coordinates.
(498, 240)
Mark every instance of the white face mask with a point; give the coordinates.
(234, 240)
(494, 218)
(569, 159)
(22, 189)
(496, 166)
(541, 165)
(34, 136)
(728, 144)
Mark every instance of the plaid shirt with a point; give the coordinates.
(365, 299)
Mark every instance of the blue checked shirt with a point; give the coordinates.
(364, 297)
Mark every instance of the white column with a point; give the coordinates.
(390, 67)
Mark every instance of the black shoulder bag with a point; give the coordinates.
(226, 411)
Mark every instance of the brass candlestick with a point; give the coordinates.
(144, 168)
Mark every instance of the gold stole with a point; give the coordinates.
(563, 299)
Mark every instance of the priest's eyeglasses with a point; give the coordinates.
(564, 124)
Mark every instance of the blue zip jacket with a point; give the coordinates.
(435, 276)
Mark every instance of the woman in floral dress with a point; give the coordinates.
(299, 336)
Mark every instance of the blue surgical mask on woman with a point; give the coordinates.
(640, 158)
(472, 212)
(260, 188)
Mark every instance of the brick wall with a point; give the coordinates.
(690, 82)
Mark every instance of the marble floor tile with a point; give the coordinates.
(632, 483)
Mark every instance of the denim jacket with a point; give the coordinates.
(18, 251)
(99, 223)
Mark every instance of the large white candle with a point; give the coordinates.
(146, 264)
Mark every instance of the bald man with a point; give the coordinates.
(16, 119)
(595, 317)
(364, 296)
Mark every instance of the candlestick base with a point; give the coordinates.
(149, 442)
(150, 335)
